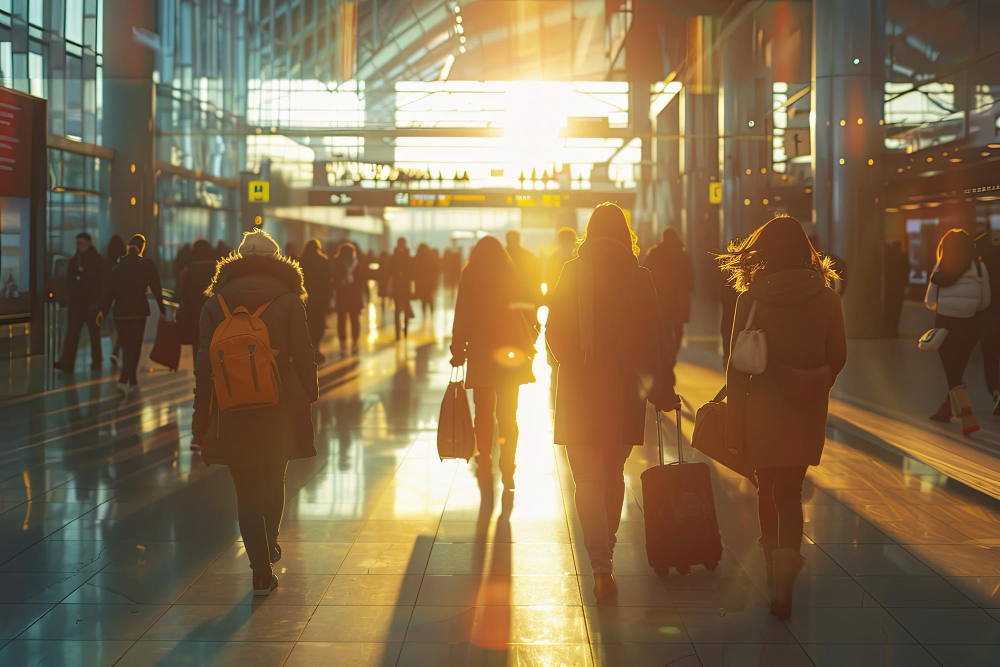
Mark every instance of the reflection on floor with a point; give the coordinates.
(117, 546)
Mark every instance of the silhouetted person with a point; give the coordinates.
(222, 249)
(426, 276)
(182, 260)
(613, 352)
(566, 241)
(959, 288)
(291, 250)
(401, 286)
(86, 277)
(778, 418)
(194, 280)
(348, 284)
(451, 265)
(670, 266)
(988, 249)
(130, 279)
(527, 265)
(319, 286)
(257, 444)
(492, 335)
(115, 251)
(897, 277)
(383, 277)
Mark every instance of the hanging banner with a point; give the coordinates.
(347, 41)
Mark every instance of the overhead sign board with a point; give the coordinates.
(259, 192)
(797, 143)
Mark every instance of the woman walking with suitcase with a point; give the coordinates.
(777, 416)
(605, 332)
(493, 336)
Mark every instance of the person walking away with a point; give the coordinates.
(527, 265)
(181, 261)
(670, 266)
(426, 275)
(383, 276)
(256, 444)
(319, 286)
(86, 277)
(566, 241)
(194, 280)
(493, 336)
(778, 417)
(897, 277)
(401, 286)
(614, 354)
(115, 251)
(988, 320)
(130, 279)
(958, 290)
(347, 272)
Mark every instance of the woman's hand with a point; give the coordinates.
(457, 361)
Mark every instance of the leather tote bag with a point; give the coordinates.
(750, 350)
(709, 437)
(456, 437)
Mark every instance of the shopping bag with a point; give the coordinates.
(167, 348)
(456, 437)
(709, 437)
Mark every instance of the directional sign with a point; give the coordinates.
(259, 191)
(797, 142)
(715, 192)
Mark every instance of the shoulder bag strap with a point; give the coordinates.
(753, 311)
(225, 308)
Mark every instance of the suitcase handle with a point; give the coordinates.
(659, 435)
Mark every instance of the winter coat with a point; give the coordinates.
(491, 333)
(965, 297)
(401, 275)
(779, 416)
(129, 280)
(274, 434)
(87, 276)
(348, 285)
(530, 268)
(426, 274)
(990, 256)
(613, 360)
(672, 277)
(194, 280)
(318, 282)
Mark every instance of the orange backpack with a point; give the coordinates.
(244, 371)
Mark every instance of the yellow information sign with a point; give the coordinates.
(715, 192)
(260, 191)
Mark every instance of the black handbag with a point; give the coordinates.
(709, 437)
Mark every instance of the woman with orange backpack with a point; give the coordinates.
(254, 380)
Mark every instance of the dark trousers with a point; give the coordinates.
(779, 506)
(600, 491)
(402, 316)
(260, 499)
(75, 320)
(130, 333)
(957, 347)
(353, 318)
(989, 339)
(496, 408)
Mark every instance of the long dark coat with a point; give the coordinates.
(274, 434)
(194, 280)
(672, 276)
(86, 278)
(779, 416)
(601, 395)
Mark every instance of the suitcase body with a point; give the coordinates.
(679, 511)
(167, 348)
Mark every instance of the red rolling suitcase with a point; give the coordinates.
(167, 347)
(681, 525)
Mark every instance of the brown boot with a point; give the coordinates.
(963, 406)
(769, 566)
(605, 588)
(943, 413)
(787, 563)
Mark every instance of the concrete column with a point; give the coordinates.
(666, 155)
(847, 102)
(642, 126)
(129, 99)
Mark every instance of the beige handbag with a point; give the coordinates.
(750, 349)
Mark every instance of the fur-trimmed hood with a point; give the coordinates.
(235, 265)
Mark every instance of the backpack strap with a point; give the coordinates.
(225, 308)
(260, 311)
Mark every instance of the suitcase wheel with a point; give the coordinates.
(684, 569)
(662, 570)
(712, 566)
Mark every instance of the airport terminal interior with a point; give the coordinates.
(386, 148)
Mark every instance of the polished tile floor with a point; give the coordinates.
(117, 546)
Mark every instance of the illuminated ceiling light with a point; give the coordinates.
(860, 121)
(945, 154)
(458, 19)
(843, 123)
(461, 49)
(750, 123)
(930, 159)
(764, 201)
(461, 39)
(763, 170)
(841, 160)
(881, 122)
(457, 9)
(748, 172)
(985, 154)
(459, 30)
(870, 162)
(857, 61)
(746, 202)
(900, 170)
(955, 159)
(133, 201)
(993, 145)
(133, 167)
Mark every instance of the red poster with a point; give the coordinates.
(15, 144)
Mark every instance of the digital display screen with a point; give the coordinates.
(15, 264)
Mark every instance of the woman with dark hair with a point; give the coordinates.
(778, 417)
(194, 280)
(129, 281)
(670, 266)
(958, 289)
(348, 279)
(116, 250)
(426, 275)
(316, 269)
(492, 335)
(614, 355)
